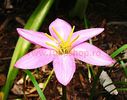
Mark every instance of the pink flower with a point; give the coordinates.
(62, 47)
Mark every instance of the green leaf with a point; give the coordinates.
(23, 45)
(124, 67)
(122, 89)
(79, 9)
(118, 51)
(36, 85)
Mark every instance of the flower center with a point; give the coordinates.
(64, 46)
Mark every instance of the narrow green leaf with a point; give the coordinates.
(124, 67)
(122, 89)
(22, 45)
(36, 85)
(79, 9)
(117, 83)
(93, 89)
(118, 51)
(48, 79)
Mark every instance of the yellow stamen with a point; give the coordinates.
(50, 37)
(70, 35)
(74, 40)
(64, 46)
(57, 34)
(55, 47)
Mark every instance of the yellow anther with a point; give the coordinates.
(55, 47)
(74, 40)
(50, 37)
(70, 35)
(57, 34)
(64, 46)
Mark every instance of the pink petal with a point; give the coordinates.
(62, 27)
(91, 54)
(86, 34)
(64, 67)
(36, 58)
(35, 37)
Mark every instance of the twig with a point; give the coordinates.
(7, 4)
(5, 58)
(20, 21)
(4, 24)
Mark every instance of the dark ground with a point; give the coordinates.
(110, 14)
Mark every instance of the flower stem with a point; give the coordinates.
(64, 96)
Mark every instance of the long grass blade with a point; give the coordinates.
(36, 85)
(22, 45)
